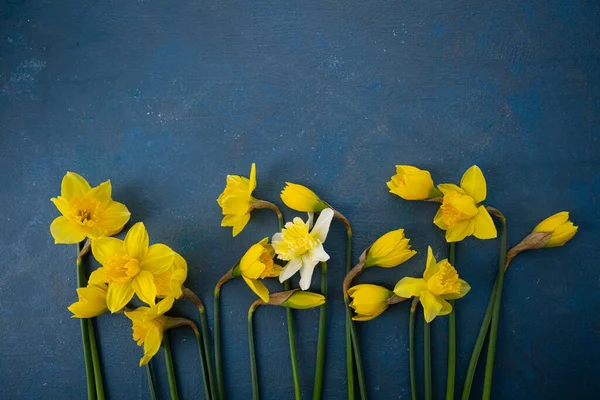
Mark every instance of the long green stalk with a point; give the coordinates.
(451, 335)
(202, 355)
(489, 365)
(349, 353)
(96, 361)
(427, 359)
(208, 354)
(292, 340)
(85, 332)
(253, 370)
(217, 341)
(357, 359)
(485, 325)
(411, 344)
(170, 368)
(318, 386)
(150, 381)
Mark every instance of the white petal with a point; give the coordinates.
(318, 254)
(321, 228)
(306, 272)
(309, 221)
(278, 237)
(290, 269)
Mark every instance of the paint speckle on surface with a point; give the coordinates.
(24, 77)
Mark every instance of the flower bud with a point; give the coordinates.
(562, 229)
(301, 198)
(412, 183)
(390, 250)
(368, 301)
(302, 300)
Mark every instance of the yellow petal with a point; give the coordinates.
(73, 186)
(65, 231)
(101, 193)
(431, 267)
(152, 343)
(409, 287)
(91, 303)
(390, 250)
(300, 198)
(136, 241)
(119, 294)
(252, 184)
(258, 287)
(446, 307)
(144, 287)
(450, 187)
(562, 235)
(240, 224)
(113, 218)
(438, 220)
(62, 205)
(460, 230)
(158, 260)
(105, 248)
(250, 266)
(473, 183)
(304, 300)
(484, 226)
(164, 305)
(464, 289)
(97, 277)
(552, 222)
(431, 306)
(465, 204)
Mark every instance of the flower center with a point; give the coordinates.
(83, 211)
(451, 214)
(296, 240)
(445, 280)
(121, 269)
(267, 259)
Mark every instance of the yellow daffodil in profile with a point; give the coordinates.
(302, 247)
(390, 250)
(129, 266)
(461, 214)
(440, 282)
(86, 211)
(236, 200)
(149, 325)
(369, 301)
(562, 229)
(258, 264)
(170, 283)
(92, 301)
(412, 183)
(301, 198)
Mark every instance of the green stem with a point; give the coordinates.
(427, 359)
(485, 325)
(208, 354)
(170, 369)
(96, 362)
(150, 381)
(349, 356)
(489, 365)
(202, 354)
(451, 335)
(253, 370)
(85, 332)
(217, 341)
(318, 386)
(357, 359)
(292, 340)
(411, 344)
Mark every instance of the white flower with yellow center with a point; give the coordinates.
(302, 247)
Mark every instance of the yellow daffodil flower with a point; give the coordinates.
(170, 283)
(412, 183)
(369, 301)
(301, 198)
(440, 282)
(258, 264)
(303, 249)
(236, 200)
(149, 324)
(562, 229)
(92, 301)
(86, 211)
(129, 266)
(304, 300)
(460, 214)
(390, 250)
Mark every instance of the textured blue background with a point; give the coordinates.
(166, 98)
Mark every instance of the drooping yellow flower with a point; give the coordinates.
(301, 198)
(304, 300)
(236, 200)
(390, 250)
(258, 264)
(149, 324)
(303, 249)
(92, 301)
(170, 283)
(440, 282)
(369, 301)
(460, 214)
(412, 183)
(562, 229)
(86, 211)
(129, 266)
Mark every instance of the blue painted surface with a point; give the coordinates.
(166, 98)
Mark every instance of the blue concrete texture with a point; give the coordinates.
(167, 98)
